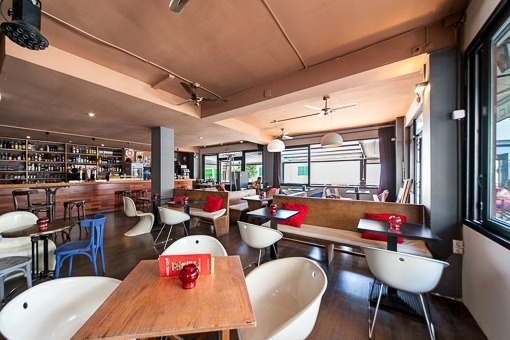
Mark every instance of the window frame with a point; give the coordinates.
(308, 148)
(479, 146)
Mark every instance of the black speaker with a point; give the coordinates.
(25, 25)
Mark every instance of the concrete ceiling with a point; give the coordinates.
(124, 61)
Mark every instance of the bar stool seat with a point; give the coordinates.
(12, 264)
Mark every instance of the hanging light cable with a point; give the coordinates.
(331, 139)
(47, 156)
(93, 159)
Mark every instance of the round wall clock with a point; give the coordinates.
(130, 152)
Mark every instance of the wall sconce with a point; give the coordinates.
(418, 88)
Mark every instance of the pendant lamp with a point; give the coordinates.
(331, 140)
(276, 145)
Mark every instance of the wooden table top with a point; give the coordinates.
(281, 214)
(407, 230)
(257, 198)
(33, 229)
(145, 305)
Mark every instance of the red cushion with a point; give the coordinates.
(381, 217)
(297, 219)
(213, 203)
(176, 199)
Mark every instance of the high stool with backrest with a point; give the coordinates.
(142, 204)
(89, 248)
(23, 202)
(80, 211)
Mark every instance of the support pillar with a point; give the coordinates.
(162, 161)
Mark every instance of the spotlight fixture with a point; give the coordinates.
(25, 25)
(177, 6)
(418, 88)
(91, 114)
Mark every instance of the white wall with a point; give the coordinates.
(485, 269)
(486, 283)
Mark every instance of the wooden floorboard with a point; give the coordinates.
(344, 309)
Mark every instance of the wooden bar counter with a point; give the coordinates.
(101, 196)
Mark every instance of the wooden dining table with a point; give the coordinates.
(37, 234)
(146, 305)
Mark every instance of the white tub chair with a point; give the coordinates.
(285, 295)
(196, 244)
(55, 309)
(22, 246)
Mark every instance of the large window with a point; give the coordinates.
(350, 164)
(488, 191)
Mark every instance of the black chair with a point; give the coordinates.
(23, 202)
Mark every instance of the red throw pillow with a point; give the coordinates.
(176, 199)
(297, 219)
(213, 203)
(381, 217)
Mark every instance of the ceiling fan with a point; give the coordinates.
(284, 135)
(195, 98)
(322, 111)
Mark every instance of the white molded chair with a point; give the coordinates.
(146, 222)
(196, 244)
(258, 237)
(55, 309)
(410, 273)
(285, 295)
(22, 246)
(171, 217)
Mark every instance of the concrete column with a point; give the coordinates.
(162, 162)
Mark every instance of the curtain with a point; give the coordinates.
(277, 169)
(388, 180)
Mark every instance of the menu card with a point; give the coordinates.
(171, 265)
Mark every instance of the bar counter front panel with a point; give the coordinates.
(100, 196)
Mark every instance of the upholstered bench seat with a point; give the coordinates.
(349, 238)
(236, 211)
(217, 218)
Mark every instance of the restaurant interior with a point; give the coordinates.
(126, 108)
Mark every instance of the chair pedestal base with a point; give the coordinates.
(396, 299)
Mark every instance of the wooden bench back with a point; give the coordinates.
(344, 214)
(235, 197)
(201, 195)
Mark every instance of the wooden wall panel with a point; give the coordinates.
(99, 196)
